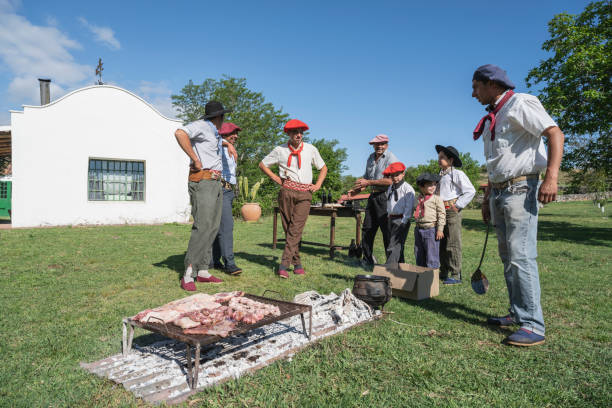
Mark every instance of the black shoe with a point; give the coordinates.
(233, 270)
(217, 266)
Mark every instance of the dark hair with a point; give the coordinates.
(478, 76)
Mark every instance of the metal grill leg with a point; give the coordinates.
(130, 338)
(197, 367)
(124, 340)
(189, 368)
(304, 325)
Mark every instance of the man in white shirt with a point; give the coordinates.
(295, 160)
(456, 190)
(515, 153)
(400, 203)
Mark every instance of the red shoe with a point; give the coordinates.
(188, 286)
(283, 273)
(212, 279)
(299, 271)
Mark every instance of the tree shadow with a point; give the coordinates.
(559, 231)
(456, 311)
(175, 263)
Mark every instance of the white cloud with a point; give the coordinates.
(158, 95)
(29, 52)
(104, 35)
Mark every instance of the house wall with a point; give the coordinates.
(52, 145)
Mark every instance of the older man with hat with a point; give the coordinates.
(376, 209)
(456, 190)
(295, 160)
(223, 247)
(512, 132)
(201, 141)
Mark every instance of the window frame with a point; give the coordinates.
(108, 159)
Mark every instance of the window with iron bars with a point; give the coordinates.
(3, 189)
(116, 180)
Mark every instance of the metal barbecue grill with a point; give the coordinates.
(287, 310)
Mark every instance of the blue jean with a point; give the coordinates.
(223, 246)
(514, 212)
(426, 248)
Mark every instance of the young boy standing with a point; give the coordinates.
(456, 190)
(400, 203)
(430, 218)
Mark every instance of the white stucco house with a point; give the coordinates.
(98, 155)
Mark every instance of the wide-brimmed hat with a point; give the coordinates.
(213, 109)
(493, 73)
(295, 124)
(450, 151)
(380, 139)
(228, 128)
(396, 167)
(425, 177)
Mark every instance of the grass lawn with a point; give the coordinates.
(63, 292)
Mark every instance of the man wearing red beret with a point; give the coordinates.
(376, 210)
(223, 246)
(295, 160)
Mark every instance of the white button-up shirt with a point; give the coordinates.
(455, 184)
(206, 143)
(404, 204)
(229, 167)
(310, 157)
(518, 148)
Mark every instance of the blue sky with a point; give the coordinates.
(349, 69)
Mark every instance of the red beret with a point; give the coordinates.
(295, 124)
(228, 128)
(396, 167)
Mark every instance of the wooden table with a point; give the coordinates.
(333, 212)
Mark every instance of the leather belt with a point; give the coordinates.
(505, 184)
(448, 204)
(227, 185)
(204, 174)
(396, 215)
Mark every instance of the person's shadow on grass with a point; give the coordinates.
(456, 311)
(174, 262)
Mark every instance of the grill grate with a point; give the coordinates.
(287, 310)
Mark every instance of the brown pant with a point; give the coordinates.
(294, 208)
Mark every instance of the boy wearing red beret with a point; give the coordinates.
(295, 160)
(400, 202)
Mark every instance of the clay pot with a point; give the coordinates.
(250, 212)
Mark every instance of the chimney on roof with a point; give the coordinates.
(45, 93)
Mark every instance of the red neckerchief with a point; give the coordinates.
(420, 210)
(491, 116)
(295, 152)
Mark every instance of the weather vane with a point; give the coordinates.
(99, 70)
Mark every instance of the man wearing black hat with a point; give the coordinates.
(516, 155)
(456, 190)
(201, 141)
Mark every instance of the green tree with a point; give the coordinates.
(470, 167)
(577, 85)
(334, 159)
(262, 129)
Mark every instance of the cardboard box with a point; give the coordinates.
(411, 281)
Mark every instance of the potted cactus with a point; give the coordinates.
(250, 210)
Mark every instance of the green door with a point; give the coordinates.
(5, 198)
